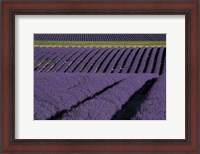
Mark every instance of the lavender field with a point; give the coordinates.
(99, 83)
(100, 60)
(100, 37)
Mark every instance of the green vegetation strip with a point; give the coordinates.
(100, 44)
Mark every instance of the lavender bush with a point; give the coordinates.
(58, 91)
(154, 105)
(106, 104)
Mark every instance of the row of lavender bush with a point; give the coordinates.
(83, 95)
(100, 60)
(100, 37)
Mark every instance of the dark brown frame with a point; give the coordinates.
(189, 8)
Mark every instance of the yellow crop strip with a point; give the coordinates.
(99, 44)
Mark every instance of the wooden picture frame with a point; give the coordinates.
(188, 8)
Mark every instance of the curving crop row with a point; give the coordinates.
(154, 106)
(100, 60)
(105, 105)
(82, 95)
(54, 92)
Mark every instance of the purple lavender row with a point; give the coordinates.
(164, 65)
(44, 58)
(47, 61)
(86, 65)
(100, 37)
(42, 54)
(71, 59)
(55, 60)
(39, 52)
(144, 63)
(54, 92)
(63, 60)
(95, 66)
(114, 60)
(129, 61)
(107, 61)
(137, 60)
(150, 66)
(159, 60)
(101, 60)
(122, 60)
(80, 59)
(154, 105)
(105, 105)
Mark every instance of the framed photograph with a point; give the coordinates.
(100, 76)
